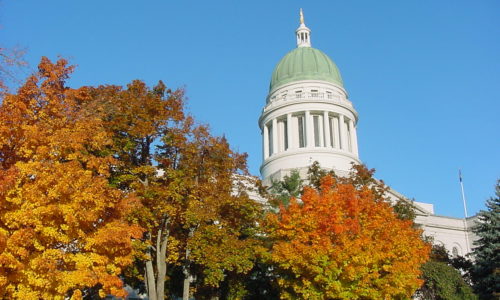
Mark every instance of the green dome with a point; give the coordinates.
(305, 63)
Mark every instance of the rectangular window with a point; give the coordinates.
(298, 94)
(281, 138)
(285, 123)
(282, 135)
(340, 133)
(317, 141)
(300, 120)
(349, 141)
(336, 130)
(332, 133)
(270, 135)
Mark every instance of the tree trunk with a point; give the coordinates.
(187, 277)
(161, 255)
(155, 281)
(185, 269)
(150, 279)
(156, 288)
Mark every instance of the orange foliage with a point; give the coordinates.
(344, 242)
(62, 226)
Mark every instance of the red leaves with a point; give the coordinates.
(344, 242)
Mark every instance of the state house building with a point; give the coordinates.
(309, 117)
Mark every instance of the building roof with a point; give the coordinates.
(305, 63)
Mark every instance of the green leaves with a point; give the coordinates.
(443, 282)
(284, 190)
(486, 269)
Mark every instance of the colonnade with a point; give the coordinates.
(309, 129)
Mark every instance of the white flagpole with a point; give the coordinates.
(465, 211)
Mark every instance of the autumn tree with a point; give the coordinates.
(62, 226)
(344, 241)
(218, 218)
(214, 221)
(190, 183)
(134, 117)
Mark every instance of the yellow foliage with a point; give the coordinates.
(62, 226)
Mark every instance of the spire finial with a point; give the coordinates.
(303, 33)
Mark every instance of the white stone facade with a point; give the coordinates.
(307, 121)
(453, 233)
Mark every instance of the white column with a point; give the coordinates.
(343, 133)
(265, 141)
(326, 129)
(275, 136)
(309, 130)
(289, 131)
(336, 134)
(354, 138)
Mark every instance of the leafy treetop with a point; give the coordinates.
(328, 245)
(62, 226)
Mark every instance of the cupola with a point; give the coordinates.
(303, 33)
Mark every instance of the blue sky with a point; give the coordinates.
(424, 76)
